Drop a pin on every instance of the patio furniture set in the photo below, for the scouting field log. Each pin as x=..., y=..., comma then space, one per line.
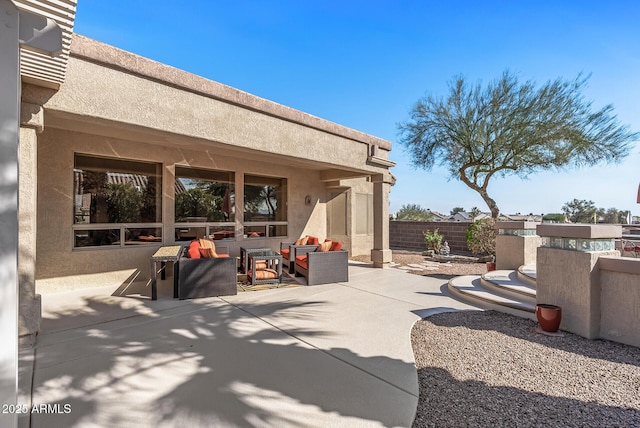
x=204, y=269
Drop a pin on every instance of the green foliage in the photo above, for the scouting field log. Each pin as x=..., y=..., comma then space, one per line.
x=475, y=212
x=580, y=211
x=433, y=240
x=510, y=127
x=260, y=197
x=583, y=211
x=457, y=210
x=554, y=218
x=414, y=212
x=481, y=236
x=123, y=203
x=198, y=202
x=614, y=216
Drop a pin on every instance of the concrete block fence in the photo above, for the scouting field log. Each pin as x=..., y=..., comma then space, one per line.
x=407, y=235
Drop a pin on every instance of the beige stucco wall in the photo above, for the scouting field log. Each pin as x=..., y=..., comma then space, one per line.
x=571, y=280
x=116, y=104
x=29, y=301
x=59, y=265
x=620, y=307
x=515, y=251
x=94, y=93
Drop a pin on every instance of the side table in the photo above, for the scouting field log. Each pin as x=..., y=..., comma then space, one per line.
x=164, y=255
x=245, y=253
x=273, y=261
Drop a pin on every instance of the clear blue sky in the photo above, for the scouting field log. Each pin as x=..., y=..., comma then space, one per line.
x=364, y=63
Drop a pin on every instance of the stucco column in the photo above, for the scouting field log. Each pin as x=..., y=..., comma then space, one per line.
x=567, y=274
x=381, y=254
x=516, y=244
x=29, y=314
x=168, y=204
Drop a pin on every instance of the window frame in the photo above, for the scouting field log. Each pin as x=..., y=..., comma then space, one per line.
x=121, y=227
x=266, y=224
x=207, y=225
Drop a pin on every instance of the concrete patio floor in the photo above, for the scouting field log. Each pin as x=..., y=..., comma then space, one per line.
x=327, y=355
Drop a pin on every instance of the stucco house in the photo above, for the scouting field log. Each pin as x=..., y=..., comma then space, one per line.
x=120, y=154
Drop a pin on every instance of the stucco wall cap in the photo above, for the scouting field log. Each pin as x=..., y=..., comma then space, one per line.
x=583, y=231
x=516, y=224
x=620, y=264
x=101, y=53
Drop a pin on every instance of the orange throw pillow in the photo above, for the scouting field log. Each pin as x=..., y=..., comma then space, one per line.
x=263, y=274
x=261, y=264
x=194, y=250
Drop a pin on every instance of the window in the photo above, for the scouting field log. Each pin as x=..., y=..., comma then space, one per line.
x=116, y=202
x=265, y=206
x=337, y=214
x=204, y=204
x=364, y=214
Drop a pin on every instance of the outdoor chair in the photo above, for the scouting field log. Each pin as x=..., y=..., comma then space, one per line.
x=322, y=266
x=206, y=276
x=288, y=250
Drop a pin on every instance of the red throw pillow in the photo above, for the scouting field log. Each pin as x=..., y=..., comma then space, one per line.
x=312, y=240
x=194, y=250
x=336, y=246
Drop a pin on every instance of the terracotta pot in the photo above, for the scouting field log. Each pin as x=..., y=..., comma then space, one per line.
x=491, y=266
x=549, y=317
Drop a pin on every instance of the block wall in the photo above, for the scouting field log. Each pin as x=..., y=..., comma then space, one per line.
x=407, y=235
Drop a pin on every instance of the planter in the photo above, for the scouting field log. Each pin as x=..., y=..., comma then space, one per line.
x=549, y=317
x=491, y=266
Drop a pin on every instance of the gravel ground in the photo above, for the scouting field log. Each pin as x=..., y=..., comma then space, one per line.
x=403, y=259
x=481, y=369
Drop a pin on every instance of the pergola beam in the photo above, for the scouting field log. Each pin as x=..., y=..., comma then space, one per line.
x=17, y=29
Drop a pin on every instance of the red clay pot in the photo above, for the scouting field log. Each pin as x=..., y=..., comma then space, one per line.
x=549, y=317
x=491, y=266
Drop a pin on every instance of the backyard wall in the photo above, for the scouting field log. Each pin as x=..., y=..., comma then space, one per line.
x=620, y=299
x=407, y=235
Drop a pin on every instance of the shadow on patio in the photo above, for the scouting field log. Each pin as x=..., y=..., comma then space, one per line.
x=206, y=363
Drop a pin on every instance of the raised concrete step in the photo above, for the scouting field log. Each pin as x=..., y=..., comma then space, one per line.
x=527, y=274
x=506, y=283
x=469, y=288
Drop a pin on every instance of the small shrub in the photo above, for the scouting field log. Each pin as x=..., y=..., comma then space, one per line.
x=481, y=237
x=433, y=240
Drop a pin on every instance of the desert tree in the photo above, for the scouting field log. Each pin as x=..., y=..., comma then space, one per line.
x=414, y=212
x=511, y=127
x=456, y=210
x=580, y=211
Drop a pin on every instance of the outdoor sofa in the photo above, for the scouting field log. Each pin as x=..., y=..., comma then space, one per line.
x=288, y=250
x=322, y=266
x=209, y=276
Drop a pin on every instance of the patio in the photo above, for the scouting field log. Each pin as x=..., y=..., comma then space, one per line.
x=335, y=354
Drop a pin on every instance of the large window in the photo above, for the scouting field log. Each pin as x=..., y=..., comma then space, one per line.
x=204, y=204
x=265, y=206
x=116, y=202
